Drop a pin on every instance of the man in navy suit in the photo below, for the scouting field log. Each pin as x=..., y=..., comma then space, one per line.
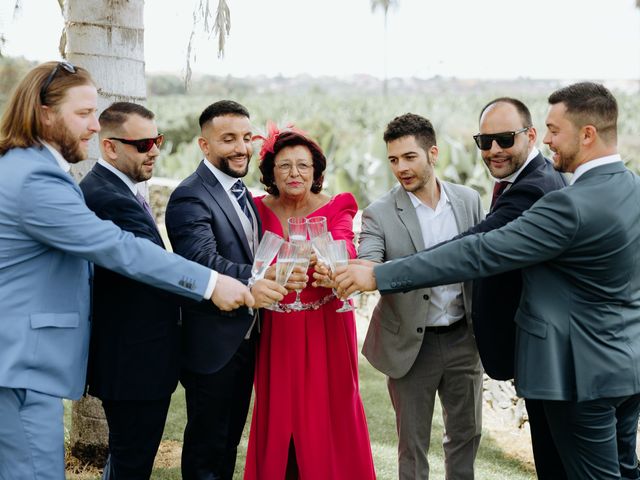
x=521, y=176
x=211, y=219
x=49, y=240
x=135, y=334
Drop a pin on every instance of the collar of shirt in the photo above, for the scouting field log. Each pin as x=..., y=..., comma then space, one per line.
x=225, y=180
x=64, y=165
x=441, y=203
x=512, y=178
x=127, y=181
x=598, y=162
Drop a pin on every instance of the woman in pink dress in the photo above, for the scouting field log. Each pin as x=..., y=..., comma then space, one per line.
x=308, y=420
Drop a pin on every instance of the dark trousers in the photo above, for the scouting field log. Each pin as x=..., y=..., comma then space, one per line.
x=217, y=406
x=545, y=454
x=135, y=431
x=597, y=438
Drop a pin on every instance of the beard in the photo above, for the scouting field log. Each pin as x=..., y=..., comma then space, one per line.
x=226, y=167
x=69, y=145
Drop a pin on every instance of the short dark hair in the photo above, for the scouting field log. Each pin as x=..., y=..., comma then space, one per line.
x=292, y=139
x=223, y=107
x=521, y=108
x=411, y=124
x=116, y=114
x=590, y=103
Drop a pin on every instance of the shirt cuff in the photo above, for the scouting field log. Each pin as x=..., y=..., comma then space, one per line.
x=211, y=286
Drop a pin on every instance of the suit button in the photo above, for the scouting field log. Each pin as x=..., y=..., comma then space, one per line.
x=393, y=284
x=419, y=329
x=425, y=296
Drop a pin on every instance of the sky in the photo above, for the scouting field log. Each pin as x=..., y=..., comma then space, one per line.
x=489, y=39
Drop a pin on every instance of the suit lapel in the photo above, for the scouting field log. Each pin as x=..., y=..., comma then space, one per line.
x=463, y=222
x=218, y=194
x=119, y=185
x=407, y=213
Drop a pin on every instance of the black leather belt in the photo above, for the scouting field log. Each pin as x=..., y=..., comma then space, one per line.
x=446, y=328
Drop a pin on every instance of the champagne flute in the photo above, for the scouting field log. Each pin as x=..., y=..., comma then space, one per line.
x=297, y=229
x=316, y=226
x=284, y=266
x=302, y=260
x=340, y=258
x=298, y=236
x=265, y=253
x=320, y=246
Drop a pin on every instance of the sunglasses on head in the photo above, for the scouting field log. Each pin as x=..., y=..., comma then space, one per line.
x=503, y=139
x=66, y=66
x=143, y=145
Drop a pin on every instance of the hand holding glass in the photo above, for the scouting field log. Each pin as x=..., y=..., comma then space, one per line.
x=339, y=256
x=284, y=266
x=266, y=252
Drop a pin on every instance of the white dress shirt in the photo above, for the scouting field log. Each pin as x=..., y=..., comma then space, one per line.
x=598, y=162
x=439, y=225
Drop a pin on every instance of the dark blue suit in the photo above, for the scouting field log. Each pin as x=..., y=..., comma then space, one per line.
x=135, y=339
x=496, y=300
x=217, y=360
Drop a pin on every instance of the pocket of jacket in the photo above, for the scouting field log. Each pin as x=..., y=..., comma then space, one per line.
x=532, y=325
x=55, y=320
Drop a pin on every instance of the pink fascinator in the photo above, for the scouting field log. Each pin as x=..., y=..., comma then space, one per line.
x=273, y=132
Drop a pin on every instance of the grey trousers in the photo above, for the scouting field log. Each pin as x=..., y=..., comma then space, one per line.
x=448, y=363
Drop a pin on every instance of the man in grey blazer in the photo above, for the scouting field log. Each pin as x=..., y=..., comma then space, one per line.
x=49, y=240
x=578, y=322
x=423, y=340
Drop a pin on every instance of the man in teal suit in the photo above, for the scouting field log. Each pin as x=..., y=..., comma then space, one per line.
x=578, y=321
x=48, y=242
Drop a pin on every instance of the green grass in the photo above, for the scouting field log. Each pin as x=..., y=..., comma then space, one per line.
x=491, y=464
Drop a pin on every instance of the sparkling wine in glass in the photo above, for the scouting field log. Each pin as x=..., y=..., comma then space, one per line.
x=265, y=253
x=284, y=266
x=339, y=256
x=302, y=260
x=316, y=226
x=297, y=229
x=320, y=246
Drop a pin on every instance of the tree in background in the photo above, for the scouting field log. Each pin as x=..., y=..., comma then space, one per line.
x=107, y=38
x=385, y=5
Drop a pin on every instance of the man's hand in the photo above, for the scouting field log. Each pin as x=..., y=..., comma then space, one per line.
x=358, y=276
x=322, y=276
x=267, y=292
x=297, y=280
x=230, y=294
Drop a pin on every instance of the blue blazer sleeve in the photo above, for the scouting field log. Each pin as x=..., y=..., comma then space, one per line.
x=54, y=213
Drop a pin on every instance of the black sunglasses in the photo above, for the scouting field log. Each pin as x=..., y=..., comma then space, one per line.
x=504, y=139
x=144, y=144
x=66, y=66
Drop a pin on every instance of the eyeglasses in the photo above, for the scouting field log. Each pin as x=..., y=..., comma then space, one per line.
x=504, y=139
x=143, y=145
x=302, y=168
x=66, y=66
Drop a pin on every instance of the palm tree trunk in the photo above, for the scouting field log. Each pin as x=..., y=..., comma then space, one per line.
x=107, y=38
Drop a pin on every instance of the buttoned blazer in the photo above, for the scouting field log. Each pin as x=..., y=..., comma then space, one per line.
x=390, y=230
x=578, y=321
x=496, y=298
x=203, y=226
x=135, y=333
x=48, y=237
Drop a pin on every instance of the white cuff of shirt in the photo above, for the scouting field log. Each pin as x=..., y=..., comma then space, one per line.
x=211, y=286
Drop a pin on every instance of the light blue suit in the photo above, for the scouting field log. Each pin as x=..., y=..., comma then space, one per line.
x=48, y=241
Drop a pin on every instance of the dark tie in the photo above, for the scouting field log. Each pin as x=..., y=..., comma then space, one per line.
x=240, y=192
x=143, y=203
x=498, y=188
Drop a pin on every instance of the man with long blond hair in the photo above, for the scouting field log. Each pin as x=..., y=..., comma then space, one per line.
x=49, y=240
